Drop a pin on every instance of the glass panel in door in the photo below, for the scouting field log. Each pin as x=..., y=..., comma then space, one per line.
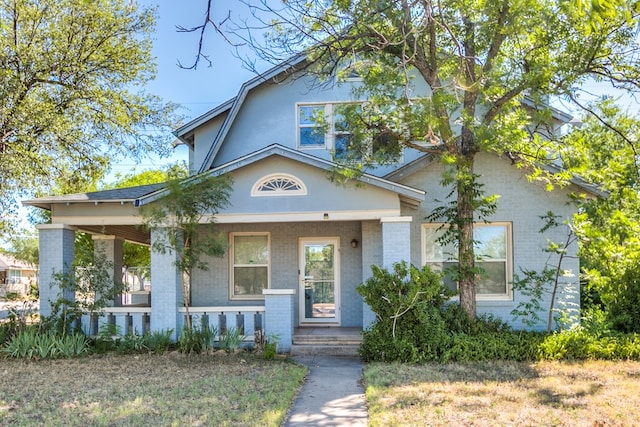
x=318, y=270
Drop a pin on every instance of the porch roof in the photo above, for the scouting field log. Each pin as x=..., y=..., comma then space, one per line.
x=118, y=195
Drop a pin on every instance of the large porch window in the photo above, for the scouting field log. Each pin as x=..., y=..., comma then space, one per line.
x=494, y=256
x=250, y=265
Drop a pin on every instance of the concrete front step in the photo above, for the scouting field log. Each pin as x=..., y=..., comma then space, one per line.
x=324, y=350
x=326, y=341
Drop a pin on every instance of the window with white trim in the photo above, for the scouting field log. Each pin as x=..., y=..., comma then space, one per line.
x=493, y=251
x=15, y=277
x=324, y=126
x=311, y=131
x=250, y=270
x=278, y=185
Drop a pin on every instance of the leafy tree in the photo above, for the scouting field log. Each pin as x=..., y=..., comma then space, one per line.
x=150, y=176
x=184, y=219
x=72, y=95
x=133, y=254
x=24, y=247
x=609, y=228
x=489, y=69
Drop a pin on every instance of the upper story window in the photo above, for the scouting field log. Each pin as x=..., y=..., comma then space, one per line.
x=278, y=185
x=325, y=126
x=493, y=250
x=311, y=130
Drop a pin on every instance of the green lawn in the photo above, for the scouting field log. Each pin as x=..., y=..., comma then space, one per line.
x=132, y=390
x=594, y=394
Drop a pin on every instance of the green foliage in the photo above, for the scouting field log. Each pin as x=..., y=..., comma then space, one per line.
x=624, y=312
x=159, y=341
x=183, y=220
x=505, y=345
x=407, y=302
x=196, y=340
x=271, y=347
x=578, y=344
x=489, y=69
x=231, y=340
x=72, y=97
x=609, y=227
x=533, y=285
x=24, y=246
x=547, y=283
x=110, y=338
x=33, y=344
x=83, y=290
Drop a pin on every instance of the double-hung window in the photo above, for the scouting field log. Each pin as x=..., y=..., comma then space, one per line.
x=323, y=126
x=311, y=130
x=493, y=252
x=250, y=265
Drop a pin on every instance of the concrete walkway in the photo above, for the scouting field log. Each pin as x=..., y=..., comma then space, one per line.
x=332, y=395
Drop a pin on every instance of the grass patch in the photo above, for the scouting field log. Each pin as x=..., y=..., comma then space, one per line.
x=592, y=393
x=168, y=390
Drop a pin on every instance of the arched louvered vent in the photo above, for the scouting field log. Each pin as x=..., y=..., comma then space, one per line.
x=278, y=185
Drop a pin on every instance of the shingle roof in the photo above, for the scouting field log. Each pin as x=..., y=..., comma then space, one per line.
x=128, y=194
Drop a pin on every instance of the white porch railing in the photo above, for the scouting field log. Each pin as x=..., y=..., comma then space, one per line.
x=128, y=320
x=247, y=320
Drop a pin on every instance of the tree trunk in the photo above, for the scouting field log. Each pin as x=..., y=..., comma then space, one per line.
x=466, y=253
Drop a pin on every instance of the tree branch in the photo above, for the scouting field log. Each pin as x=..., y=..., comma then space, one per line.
x=208, y=21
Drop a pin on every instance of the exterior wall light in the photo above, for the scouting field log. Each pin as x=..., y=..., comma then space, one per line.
x=354, y=243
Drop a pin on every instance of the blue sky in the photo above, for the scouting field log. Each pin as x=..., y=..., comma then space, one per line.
x=199, y=90
x=204, y=88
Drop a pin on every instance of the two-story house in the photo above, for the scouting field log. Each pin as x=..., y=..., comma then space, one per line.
x=298, y=244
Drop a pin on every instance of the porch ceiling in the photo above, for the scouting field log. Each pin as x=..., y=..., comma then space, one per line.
x=131, y=233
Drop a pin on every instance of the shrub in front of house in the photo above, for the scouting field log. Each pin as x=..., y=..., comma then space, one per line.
x=578, y=343
x=417, y=323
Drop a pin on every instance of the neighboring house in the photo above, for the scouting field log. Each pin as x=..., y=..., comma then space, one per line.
x=299, y=244
x=15, y=275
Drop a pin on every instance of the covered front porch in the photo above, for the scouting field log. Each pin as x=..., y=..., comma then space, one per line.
x=298, y=246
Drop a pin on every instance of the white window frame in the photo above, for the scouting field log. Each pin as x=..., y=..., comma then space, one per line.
x=232, y=265
x=327, y=134
x=330, y=133
x=14, y=277
x=453, y=258
x=257, y=191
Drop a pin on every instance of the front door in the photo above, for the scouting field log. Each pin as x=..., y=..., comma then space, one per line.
x=319, y=281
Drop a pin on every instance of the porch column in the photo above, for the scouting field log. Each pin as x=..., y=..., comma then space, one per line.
x=166, y=289
x=110, y=247
x=279, y=316
x=56, y=255
x=396, y=240
x=371, y=255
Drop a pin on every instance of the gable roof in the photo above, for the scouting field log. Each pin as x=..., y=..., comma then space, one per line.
x=233, y=106
x=410, y=194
